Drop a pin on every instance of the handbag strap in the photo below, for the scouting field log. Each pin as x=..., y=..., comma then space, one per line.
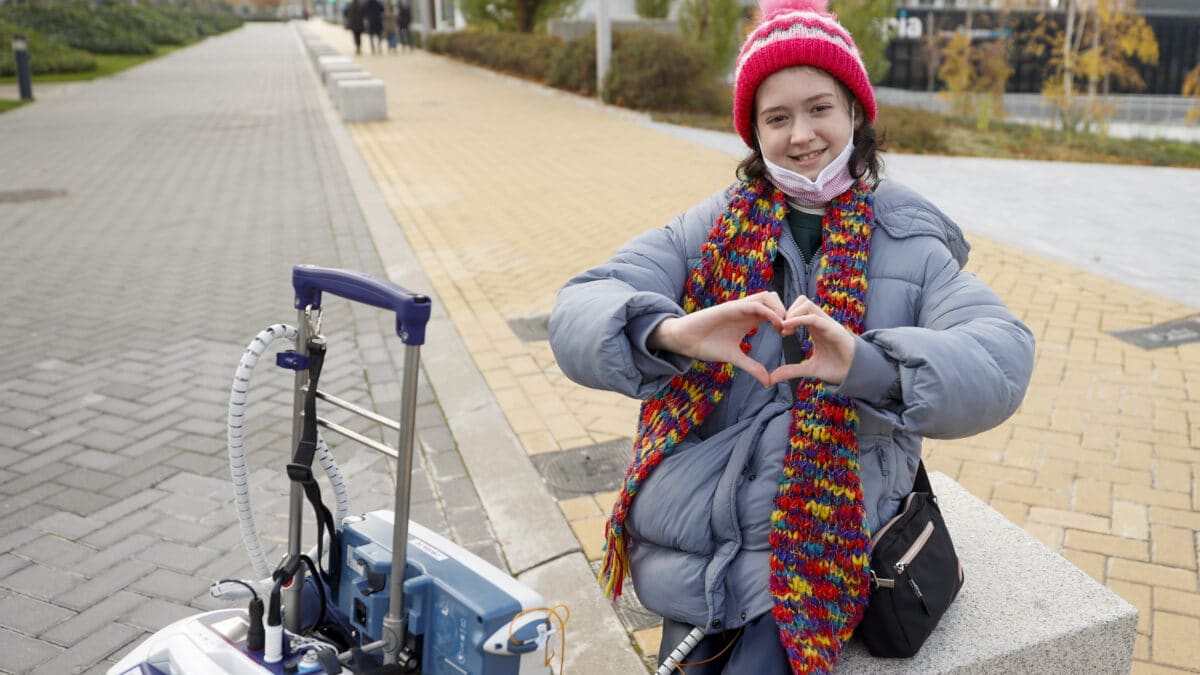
x=921, y=482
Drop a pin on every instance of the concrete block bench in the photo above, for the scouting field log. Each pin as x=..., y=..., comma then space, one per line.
x=361, y=100
x=335, y=79
x=335, y=64
x=1022, y=609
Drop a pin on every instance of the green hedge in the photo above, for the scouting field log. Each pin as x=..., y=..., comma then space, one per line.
x=654, y=71
x=525, y=54
x=77, y=26
x=159, y=27
x=46, y=55
x=649, y=70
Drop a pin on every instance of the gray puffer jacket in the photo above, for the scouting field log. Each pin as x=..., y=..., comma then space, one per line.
x=941, y=358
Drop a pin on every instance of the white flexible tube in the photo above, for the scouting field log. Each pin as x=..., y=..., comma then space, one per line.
x=237, y=450
x=681, y=651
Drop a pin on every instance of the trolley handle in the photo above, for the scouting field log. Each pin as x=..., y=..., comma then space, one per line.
x=412, y=309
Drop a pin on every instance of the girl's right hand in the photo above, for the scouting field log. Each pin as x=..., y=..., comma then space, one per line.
x=715, y=333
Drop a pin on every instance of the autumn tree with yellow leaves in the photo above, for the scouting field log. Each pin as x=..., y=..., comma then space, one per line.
x=1098, y=46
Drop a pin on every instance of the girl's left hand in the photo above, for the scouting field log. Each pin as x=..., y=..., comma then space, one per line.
x=833, y=345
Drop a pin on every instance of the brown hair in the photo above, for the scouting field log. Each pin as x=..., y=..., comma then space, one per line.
x=865, y=159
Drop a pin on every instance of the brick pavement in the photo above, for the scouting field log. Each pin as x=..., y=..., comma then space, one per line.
x=506, y=189
x=150, y=221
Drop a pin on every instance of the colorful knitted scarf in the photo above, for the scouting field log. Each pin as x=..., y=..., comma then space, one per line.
x=819, y=577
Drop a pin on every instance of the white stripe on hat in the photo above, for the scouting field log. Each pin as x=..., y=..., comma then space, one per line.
x=791, y=32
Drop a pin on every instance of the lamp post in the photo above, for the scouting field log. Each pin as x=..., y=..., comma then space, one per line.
x=21, y=61
x=603, y=45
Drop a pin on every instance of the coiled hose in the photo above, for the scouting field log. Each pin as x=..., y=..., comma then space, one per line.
x=237, y=450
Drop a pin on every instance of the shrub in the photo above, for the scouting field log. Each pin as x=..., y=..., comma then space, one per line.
x=75, y=25
x=525, y=54
x=159, y=27
x=654, y=71
x=574, y=67
x=46, y=55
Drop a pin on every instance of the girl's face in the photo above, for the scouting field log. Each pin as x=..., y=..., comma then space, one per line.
x=803, y=119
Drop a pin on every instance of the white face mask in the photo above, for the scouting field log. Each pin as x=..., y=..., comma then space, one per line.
x=833, y=180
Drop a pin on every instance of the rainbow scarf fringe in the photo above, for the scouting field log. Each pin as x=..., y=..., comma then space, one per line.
x=819, y=577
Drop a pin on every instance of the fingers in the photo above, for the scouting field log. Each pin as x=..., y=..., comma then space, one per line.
x=753, y=369
x=788, y=371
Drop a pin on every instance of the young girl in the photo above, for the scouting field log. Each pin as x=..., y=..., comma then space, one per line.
x=793, y=338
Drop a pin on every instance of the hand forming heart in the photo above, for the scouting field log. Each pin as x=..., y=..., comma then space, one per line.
x=715, y=334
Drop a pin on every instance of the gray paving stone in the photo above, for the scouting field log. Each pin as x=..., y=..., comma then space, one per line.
x=79, y=502
x=458, y=493
x=104, y=440
x=99, y=644
x=134, y=502
x=126, y=391
x=154, y=614
x=155, y=441
x=120, y=529
x=447, y=465
x=138, y=482
x=10, y=563
x=183, y=531
x=93, y=618
x=86, y=479
x=53, y=551
x=11, y=437
x=16, y=538
x=162, y=583
x=95, y=459
x=117, y=577
x=115, y=554
x=470, y=526
x=68, y=525
x=178, y=557
x=37, y=459
x=18, y=653
x=21, y=418
x=186, y=506
x=28, y=615
x=40, y=581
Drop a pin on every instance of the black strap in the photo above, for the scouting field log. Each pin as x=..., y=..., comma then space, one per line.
x=793, y=349
x=300, y=469
x=921, y=483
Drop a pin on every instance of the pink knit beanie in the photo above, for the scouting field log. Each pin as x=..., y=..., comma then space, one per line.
x=796, y=33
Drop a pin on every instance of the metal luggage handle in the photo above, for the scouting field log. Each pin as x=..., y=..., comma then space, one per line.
x=412, y=309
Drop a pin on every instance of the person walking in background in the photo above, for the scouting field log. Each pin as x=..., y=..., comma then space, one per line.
x=390, y=17
x=374, y=14
x=793, y=338
x=403, y=21
x=354, y=22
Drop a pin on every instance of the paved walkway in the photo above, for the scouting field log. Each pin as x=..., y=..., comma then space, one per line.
x=150, y=222
x=506, y=189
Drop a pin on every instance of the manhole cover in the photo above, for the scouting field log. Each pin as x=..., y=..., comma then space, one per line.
x=629, y=608
x=33, y=195
x=1169, y=334
x=531, y=328
x=593, y=468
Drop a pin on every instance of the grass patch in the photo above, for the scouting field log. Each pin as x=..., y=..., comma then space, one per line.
x=7, y=104
x=106, y=64
x=915, y=131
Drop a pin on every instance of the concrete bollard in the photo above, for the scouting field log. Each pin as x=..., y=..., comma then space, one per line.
x=362, y=100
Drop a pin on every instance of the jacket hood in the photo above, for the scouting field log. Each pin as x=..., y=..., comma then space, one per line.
x=904, y=213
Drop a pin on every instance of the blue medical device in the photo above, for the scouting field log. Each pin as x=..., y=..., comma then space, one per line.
x=407, y=599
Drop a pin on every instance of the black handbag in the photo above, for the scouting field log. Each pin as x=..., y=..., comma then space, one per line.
x=915, y=575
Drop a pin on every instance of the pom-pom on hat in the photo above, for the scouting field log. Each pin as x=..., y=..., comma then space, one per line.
x=796, y=33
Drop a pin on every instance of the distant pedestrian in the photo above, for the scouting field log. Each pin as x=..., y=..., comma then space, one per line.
x=403, y=20
x=793, y=338
x=374, y=13
x=354, y=22
x=390, y=25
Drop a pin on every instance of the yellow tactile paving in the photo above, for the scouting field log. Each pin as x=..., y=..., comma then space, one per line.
x=506, y=190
